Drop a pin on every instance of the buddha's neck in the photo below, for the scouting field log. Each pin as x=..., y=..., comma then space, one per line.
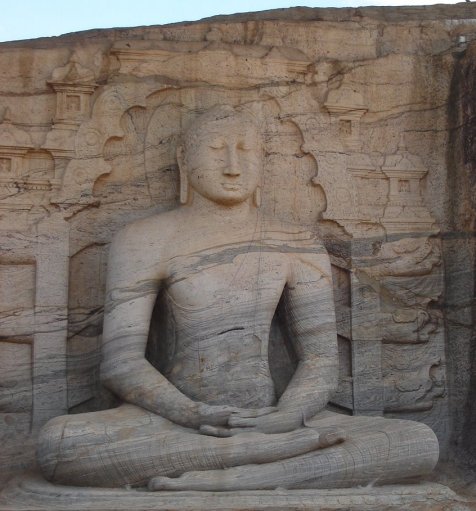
x=212, y=211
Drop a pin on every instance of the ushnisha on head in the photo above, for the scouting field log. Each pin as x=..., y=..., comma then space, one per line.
x=221, y=157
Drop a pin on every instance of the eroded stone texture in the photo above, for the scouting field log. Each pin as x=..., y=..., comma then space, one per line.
x=367, y=119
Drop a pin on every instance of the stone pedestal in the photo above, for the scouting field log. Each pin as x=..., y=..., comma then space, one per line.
x=32, y=493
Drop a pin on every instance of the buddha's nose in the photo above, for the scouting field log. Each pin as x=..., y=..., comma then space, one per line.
x=233, y=165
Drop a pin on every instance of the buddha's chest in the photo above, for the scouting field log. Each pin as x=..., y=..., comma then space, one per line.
x=228, y=278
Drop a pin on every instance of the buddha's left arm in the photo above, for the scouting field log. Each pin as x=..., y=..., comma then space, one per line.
x=309, y=316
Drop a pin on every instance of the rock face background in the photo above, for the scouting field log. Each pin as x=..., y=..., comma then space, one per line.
x=369, y=121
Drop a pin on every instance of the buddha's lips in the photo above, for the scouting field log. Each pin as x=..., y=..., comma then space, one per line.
x=231, y=186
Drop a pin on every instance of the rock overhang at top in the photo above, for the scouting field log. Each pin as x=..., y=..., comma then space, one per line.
x=383, y=14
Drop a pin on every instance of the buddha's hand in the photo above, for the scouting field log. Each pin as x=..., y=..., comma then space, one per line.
x=215, y=419
x=276, y=422
x=215, y=415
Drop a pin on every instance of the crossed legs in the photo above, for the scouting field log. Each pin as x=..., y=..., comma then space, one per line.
x=131, y=446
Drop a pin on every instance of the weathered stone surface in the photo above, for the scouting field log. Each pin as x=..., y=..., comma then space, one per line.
x=367, y=118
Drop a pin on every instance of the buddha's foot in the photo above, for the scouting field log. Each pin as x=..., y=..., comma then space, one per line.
x=330, y=436
x=265, y=448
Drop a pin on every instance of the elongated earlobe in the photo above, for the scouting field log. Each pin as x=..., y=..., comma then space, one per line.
x=257, y=197
x=184, y=189
x=184, y=194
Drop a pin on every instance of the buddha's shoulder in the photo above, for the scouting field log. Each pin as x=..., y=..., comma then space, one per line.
x=149, y=231
x=291, y=235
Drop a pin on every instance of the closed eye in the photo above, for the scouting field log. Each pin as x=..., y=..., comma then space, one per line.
x=217, y=144
x=244, y=146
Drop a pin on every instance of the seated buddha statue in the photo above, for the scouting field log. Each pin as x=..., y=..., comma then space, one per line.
x=208, y=416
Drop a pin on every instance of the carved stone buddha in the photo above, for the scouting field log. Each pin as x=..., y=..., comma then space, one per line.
x=210, y=419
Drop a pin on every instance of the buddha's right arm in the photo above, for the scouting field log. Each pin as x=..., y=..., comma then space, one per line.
x=132, y=285
x=126, y=372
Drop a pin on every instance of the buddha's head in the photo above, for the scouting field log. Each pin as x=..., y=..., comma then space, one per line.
x=221, y=157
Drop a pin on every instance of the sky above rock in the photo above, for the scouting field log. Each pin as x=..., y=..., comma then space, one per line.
x=26, y=19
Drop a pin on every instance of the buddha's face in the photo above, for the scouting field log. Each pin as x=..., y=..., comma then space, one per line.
x=223, y=159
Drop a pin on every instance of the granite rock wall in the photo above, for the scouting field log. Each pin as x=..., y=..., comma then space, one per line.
x=368, y=121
